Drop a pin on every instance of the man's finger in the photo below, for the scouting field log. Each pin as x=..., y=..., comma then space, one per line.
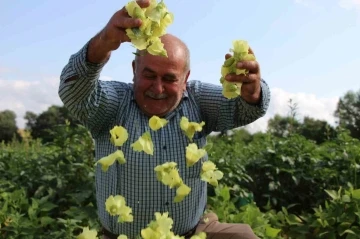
x=126, y=22
x=248, y=78
x=143, y=3
x=252, y=66
x=227, y=56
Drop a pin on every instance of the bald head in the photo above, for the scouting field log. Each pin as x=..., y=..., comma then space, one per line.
x=173, y=45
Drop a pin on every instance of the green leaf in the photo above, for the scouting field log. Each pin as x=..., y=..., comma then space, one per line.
x=47, y=206
x=48, y=177
x=343, y=227
x=345, y=198
x=271, y=232
x=32, y=213
x=356, y=194
x=293, y=219
x=225, y=193
x=348, y=231
x=46, y=221
x=208, y=146
x=357, y=214
x=332, y=193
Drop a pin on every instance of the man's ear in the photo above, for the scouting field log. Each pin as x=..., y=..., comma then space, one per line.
x=133, y=66
x=186, y=79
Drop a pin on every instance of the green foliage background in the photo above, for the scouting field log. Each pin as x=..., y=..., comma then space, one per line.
x=284, y=187
x=297, y=180
x=47, y=190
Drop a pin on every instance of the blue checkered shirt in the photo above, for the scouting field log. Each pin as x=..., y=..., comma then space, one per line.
x=100, y=105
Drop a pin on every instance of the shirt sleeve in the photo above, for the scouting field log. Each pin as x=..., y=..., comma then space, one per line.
x=90, y=100
x=222, y=114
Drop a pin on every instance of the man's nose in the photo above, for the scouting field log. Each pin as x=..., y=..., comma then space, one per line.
x=157, y=86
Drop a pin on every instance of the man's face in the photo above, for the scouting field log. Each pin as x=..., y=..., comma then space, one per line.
x=159, y=82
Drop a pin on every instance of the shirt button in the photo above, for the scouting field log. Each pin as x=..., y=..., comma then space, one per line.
x=164, y=147
x=167, y=203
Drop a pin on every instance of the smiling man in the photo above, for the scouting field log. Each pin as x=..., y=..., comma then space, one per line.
x=159, y=82
x=160, y=87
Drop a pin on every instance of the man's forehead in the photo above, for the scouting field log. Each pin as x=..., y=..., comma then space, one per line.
x=154, y=62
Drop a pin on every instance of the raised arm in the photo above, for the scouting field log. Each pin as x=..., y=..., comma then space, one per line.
x=224, y=114
x=92, y=101
x=111, y=37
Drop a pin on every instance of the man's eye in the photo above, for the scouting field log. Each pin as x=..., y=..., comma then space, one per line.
x=169, y=79
x=150, y=76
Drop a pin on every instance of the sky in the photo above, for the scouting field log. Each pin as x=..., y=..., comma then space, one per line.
x=308, y=50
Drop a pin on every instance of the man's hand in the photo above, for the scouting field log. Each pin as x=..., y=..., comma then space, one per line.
x=113, y=34
x=250, y=89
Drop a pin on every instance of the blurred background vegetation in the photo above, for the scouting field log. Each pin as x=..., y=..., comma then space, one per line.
x=300, y=179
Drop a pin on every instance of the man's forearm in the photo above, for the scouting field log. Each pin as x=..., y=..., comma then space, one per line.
x=97, y=51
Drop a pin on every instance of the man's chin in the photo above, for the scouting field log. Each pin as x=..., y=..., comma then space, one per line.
x=157, y=112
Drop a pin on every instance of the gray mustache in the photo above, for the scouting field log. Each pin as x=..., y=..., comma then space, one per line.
x=155, y=96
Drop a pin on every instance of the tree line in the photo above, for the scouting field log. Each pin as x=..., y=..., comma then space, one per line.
x=40, y=126
x=43, y=126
